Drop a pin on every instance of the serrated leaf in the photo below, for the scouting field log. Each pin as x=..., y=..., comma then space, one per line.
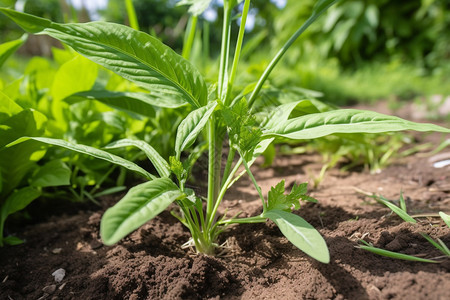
x=140, y=204
x=344, y=121
x=191, y=126
x=301, y=234
x=83, y=149
x=132, y=54
x=279, y=201
x=8, y=48
x=243, y=132
x=53, y=173
x=157, y=160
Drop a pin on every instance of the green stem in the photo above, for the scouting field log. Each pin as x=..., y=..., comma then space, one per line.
x=255, y=219
x=254, y=183
x=226, y=171
x=225, y=48
x=132, y=14
x=189, y=40
x=237, y=52
x=278, y=56
x=214, y=163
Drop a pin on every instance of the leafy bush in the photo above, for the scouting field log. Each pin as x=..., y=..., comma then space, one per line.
x=219, y=111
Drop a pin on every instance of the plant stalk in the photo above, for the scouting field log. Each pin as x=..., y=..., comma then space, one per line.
x=132, y=14
x=278, y=56
x=225, y=49
x=189, y=39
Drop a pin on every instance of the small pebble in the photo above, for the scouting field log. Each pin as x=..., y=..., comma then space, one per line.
x=57, y=250
x=50, y=289
x=59, y=275
x=62, y=286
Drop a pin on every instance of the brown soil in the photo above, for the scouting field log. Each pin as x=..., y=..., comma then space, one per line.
x=260, y=263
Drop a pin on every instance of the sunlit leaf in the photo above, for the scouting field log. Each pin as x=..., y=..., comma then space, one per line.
x=160, y=163
x=344, y=121
x=8, y=48
x=191, y=126
x=140, y=204
x=132, y=54
x=300, y=233
x=83, y=149
x=53, y=173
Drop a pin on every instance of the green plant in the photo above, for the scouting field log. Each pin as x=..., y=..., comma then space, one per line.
x=401, y=211
x=217, y=110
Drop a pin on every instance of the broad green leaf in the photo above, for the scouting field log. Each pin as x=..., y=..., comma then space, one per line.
x=344, y=121
x=132, y=54
x=400, y=212
x=8, y=107
x=393, y=254
x=26, y=122
x=445, y=217
x=19, y=199
x=76, y=75
x=53, y=173
x=160, y=163
x=300, y=233
x=83, y=149
x=140, y=204
x=197, y=7
x=191, y=126
x=8, y=48
x=140, y=103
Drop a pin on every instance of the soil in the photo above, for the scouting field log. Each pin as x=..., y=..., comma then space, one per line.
x=259, y=262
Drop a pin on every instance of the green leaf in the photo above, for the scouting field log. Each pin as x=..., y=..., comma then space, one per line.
x=19, y=199
x=8, y=107
x=132, y=54
x=278, y=200
x=440, y=246
x=191, y=126
x=322, y=5
x=140, y=204
x=393, y=254
x=344, y=121
x=54, y=173
x=445, y=217
x=139, y=103
x=12, y=240
x=197, y=7
x=243, y=131
x=400, y=212
x=157, y=160
x=301, y=234
x=8, y=48
x=83, y=149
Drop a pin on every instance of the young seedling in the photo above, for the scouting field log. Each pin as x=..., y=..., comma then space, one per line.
x=218, y=110
x=402, y=212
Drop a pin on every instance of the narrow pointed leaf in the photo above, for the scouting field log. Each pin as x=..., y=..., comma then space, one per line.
x=191, y=126
x=83, y=149
x=140, y=204
x=344, y=121
x=132, y=54
x=445, y=217
x=160, y=163
x=301, y=234
x=392, y=254
x=400, y=212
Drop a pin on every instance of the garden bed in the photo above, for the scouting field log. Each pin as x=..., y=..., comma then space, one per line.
x=258, y=262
